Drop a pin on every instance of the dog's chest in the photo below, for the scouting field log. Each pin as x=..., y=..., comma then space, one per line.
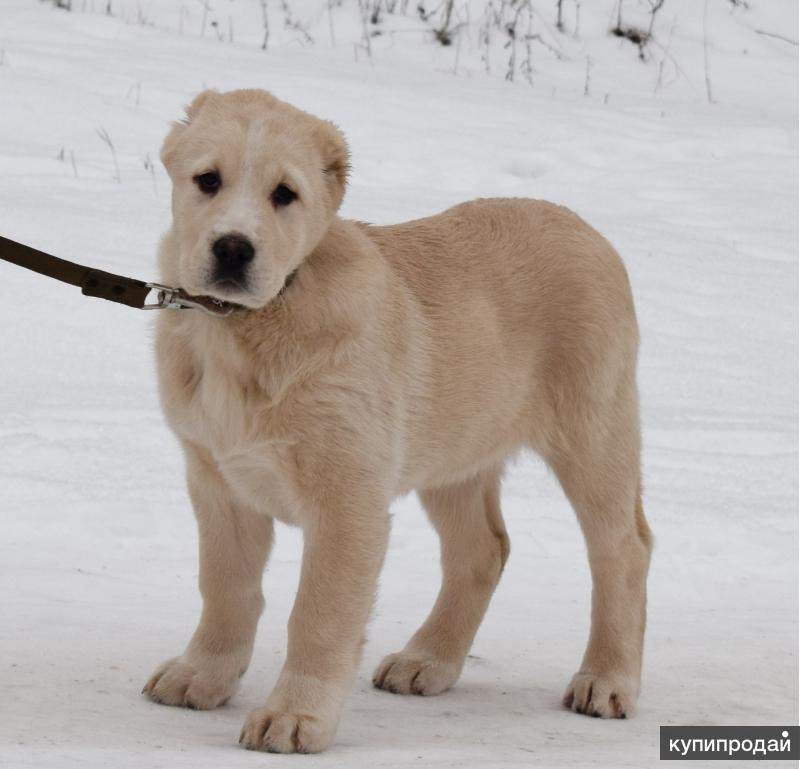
x=228, y=414
x=222, y=409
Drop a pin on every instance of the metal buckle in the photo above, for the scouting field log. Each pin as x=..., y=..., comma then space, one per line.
x=177, y=299
x=165, y=298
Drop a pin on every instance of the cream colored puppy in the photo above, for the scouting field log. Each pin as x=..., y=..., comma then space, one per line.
x=369, y=362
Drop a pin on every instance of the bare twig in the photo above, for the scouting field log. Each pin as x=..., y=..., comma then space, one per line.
x=106, y=139
x=555, y=51
x=149, y=166
x=62, y=156
x=137, y=88
x=639, y=37
x=484, y=35
x=527, y=63
x=363, y=8
x=444, y=34
x=588, y=71
x=512, y=30
x=290, y=23
x=705, y=52
x=678, y=69
x=265, y=23
x=775, y=35
x=655, y=7
x=206, y=9
x=660, y=79
x=458, y=41
x=555, y=46
x=330, y=23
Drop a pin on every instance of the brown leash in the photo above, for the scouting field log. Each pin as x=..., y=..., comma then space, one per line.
x=106, y=285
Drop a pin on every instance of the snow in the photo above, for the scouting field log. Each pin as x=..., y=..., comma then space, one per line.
x=97, y=554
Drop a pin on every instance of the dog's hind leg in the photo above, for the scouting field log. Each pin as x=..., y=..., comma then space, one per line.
x=474, y=548
x=234, y=544
x=597, y=463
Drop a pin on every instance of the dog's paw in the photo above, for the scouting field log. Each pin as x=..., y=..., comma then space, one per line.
x=278, y=732
x=192, y=685
x=409, y=673
x=609, y=696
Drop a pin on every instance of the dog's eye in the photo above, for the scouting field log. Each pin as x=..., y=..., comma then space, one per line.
x=208, y=182
x=282, y=196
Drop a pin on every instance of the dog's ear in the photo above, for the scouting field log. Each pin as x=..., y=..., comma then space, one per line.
x=336, y=160
x=197, y=104
x=173, y=137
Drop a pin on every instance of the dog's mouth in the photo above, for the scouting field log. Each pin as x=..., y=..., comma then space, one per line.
x=230, y=289
x=228, y=285
x=240, y=291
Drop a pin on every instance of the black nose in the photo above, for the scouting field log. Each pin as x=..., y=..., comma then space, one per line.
x=233, y=253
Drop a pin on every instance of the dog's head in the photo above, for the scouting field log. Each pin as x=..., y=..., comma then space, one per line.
x=256, y=183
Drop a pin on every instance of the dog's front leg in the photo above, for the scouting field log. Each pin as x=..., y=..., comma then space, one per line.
x=342, y=555
x=234, y=545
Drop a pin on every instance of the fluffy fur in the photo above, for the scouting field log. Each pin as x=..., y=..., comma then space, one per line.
x=418, y=356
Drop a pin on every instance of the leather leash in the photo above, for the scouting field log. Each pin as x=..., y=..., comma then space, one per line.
x=106, y=285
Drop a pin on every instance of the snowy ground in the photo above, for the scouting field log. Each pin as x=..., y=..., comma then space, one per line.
x=97, y=553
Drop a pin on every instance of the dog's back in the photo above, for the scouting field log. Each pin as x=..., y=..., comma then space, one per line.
x=523, y=305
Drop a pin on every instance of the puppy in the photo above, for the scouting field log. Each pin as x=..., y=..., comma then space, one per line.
x=367, y=362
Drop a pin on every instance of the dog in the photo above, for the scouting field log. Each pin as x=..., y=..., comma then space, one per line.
x=367, y=362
